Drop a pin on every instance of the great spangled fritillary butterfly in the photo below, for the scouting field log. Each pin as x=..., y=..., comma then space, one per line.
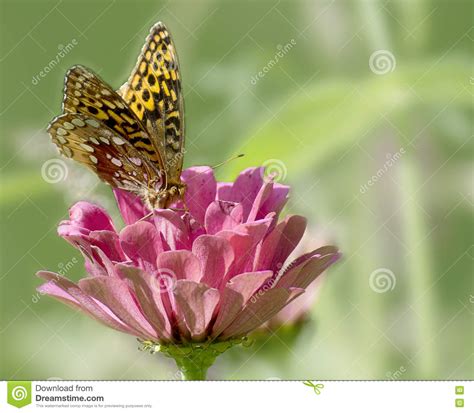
x=132, y=138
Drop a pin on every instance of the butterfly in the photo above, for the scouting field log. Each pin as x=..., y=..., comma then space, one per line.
x=132, y=138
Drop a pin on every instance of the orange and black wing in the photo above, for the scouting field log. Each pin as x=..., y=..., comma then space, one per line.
x=154, y=94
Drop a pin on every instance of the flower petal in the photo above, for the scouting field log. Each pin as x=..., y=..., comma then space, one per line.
x=235, y=295
x=260, y=308
x=306, y=272
x=262, y=195
x=200, y=190
x=222, y=215
x=90, y=216
x=100, y=264
x=130, y=205
x=87, y=304
x=279, y=244
x=216, y=256
x=244, y=190
x=299, y=309
x=180, y=265
x=196, y=302
x=149, y=298
x=108, y=242
x=115, y=294
x=224, y=191
x=244, y=240
x=172, y=228
x=275, y=201
x=142, y=244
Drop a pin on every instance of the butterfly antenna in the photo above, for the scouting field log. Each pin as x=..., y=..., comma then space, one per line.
x=228, y=160
x=144, y=218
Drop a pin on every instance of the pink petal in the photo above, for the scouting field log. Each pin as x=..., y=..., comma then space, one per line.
x=173, y=229
x=87, y=304
x=244, y=241
x=222, y=215
x=76, y=238
x=235, y=295
x=115, y=294
x=275, y=202
x=106, y=265
x=193, y=228
x=216, y=256
x=130, y=205
x=306, y=272
x=149, y=298
x=279, y=244
x=89, y=216
x=299, y=309
x=260, y=308
x=53, y=290
x=142, y=244
x=318, y=253
x=109, y=243
x=196, y=302
x=200, y=190
x=66, y=229
x=262, y=195
x=224, y=191
x=245, y=189
x=180, y=265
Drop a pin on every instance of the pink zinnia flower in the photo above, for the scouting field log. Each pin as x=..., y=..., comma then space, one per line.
x=209, y=274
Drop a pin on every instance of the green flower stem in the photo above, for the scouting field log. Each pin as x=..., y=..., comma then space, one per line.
x=192, y=359
x=194, y=366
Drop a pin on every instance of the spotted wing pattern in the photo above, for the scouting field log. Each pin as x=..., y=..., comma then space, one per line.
x=86, y=93
x=97, y=146
x=154, y=94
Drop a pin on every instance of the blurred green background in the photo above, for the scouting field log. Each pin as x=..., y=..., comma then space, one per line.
x=368, y=116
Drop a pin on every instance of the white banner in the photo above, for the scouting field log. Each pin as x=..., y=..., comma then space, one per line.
x=238, y=396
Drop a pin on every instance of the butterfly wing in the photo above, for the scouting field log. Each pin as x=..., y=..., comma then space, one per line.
x=100, y=148
x=153, y=92
x=86, y=93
